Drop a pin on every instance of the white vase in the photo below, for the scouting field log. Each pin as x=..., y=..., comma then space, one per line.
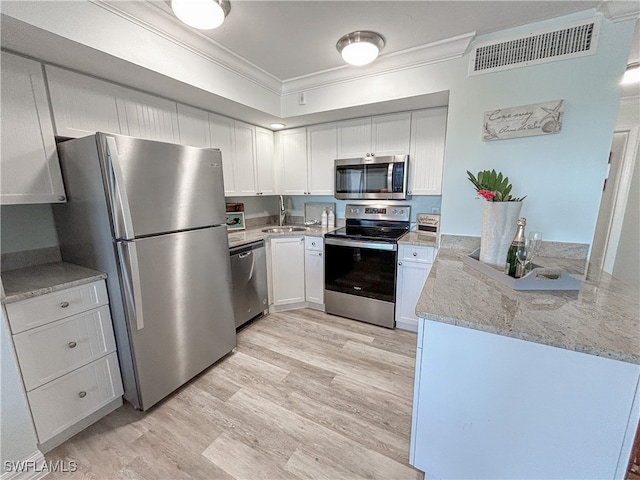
x=499, y=224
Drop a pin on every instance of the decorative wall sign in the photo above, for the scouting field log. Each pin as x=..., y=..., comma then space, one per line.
x=525, y=121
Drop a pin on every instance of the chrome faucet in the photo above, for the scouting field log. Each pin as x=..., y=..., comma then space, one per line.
x=283, y=211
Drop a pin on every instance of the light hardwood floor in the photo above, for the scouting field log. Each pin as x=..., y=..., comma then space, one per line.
x=306, y=395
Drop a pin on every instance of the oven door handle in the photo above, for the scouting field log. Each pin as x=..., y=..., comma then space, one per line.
x=361, y=244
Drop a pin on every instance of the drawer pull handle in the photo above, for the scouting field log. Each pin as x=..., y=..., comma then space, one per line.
x=415, y=254
x=82, y=394
x=64, y=304
x=72, y=344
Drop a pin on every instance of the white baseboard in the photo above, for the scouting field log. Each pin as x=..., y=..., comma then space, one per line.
x=30, y=468
x=407, y=324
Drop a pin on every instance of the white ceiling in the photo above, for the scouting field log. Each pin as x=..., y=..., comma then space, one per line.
x=295, y=38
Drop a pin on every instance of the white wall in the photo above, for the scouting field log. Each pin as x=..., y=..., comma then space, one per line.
x=17, y=434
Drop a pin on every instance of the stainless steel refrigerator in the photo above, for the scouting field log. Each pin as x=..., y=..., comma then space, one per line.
x=152, y=216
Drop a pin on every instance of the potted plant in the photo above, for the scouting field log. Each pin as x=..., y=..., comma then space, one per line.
x=500, y=214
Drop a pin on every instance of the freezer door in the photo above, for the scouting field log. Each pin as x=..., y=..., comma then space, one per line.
x=157, y=187
x=177, y=290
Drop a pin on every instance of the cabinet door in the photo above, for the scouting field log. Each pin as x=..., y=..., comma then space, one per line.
x=293, y=146
x=81, y=105
x=322, y=143
x=222, y=134
x=287, y=270
x=245, y=158
x=314, y=276
x=411, y=278
x=354, y=138
x=265, y=162
x=391, y=134
x=428, y=128
x=193, y=125
x=147, y=116
x=30, y=168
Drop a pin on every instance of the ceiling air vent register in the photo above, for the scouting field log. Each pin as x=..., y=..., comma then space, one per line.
x=575, y=40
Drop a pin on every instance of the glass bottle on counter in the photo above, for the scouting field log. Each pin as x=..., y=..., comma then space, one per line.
x=514, y=268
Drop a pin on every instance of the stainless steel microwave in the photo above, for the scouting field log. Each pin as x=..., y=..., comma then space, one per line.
x=372, y=178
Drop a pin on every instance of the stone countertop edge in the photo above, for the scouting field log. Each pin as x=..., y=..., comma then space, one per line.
x=24, y=283
x=601, y=319
x=255, y=234
x=417, y=239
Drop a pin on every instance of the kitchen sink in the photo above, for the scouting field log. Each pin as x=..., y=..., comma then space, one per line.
x=284, y=229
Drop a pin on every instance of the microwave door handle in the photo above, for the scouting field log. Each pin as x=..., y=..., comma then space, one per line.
x=390, y=178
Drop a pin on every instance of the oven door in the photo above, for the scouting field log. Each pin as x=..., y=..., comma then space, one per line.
x=364, y=269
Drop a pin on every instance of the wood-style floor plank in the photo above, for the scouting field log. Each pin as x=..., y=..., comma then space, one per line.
x=305, y=395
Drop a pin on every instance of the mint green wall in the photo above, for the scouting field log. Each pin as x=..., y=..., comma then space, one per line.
x=26, y=227
x=561, y=174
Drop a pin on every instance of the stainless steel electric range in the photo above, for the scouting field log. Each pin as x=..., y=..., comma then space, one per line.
x=360, y=263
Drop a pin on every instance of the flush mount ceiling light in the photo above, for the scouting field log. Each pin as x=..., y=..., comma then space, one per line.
x=201, y=14
x=277, y=126
x=360, y=48
x=632, y=74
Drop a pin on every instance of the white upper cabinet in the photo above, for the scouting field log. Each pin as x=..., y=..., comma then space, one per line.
x=29, y=162
x=354, y=138
x=428, y=129
x=265, y=162
x=82, y=105
x=293, y=154
x=391, y=134
x=222, y=137
x=193, y=125
x=245, y=158
x=381, y=135
x=322, y=151
x=147, y=116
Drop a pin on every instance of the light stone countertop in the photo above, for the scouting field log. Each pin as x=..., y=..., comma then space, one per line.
x=417, y=239
x=602, y=319
x=28, y=282
x=254, y=234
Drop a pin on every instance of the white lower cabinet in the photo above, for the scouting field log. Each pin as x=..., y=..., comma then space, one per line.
x=414, y=265
x=66, y=350
x=314, y=270
x=287, y=270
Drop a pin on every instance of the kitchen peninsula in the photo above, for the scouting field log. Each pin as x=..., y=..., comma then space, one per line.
x=524, y=384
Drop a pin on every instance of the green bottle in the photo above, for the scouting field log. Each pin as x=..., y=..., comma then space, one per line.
x=518, y=240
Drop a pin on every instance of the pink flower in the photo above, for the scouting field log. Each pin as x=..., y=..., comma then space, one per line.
x=488, y=194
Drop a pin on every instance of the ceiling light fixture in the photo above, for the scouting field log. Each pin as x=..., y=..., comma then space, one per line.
x=277, y=126
x=201, y=14
x=360, y=48
x=631, y=74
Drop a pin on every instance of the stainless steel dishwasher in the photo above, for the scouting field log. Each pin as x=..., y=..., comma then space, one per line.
x=249, y=276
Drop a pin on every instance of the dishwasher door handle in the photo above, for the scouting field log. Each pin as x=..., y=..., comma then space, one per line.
x=244, y=255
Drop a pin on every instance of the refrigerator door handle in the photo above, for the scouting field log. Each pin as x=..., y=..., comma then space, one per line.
x=118, y=193
x=131, y=277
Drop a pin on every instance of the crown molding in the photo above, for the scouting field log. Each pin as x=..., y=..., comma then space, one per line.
x=435, y=52
x=164, y=22
x=620, y=11
x=196, y=42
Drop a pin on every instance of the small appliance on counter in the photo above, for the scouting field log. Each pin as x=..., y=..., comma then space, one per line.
x=235, y=216
x=313, y=212
x=428, y=225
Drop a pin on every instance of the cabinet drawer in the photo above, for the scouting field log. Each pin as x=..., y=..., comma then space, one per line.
x=416, y=253
x=59, y=404
x=314, y=243
x=37, y=311
x=51, y=350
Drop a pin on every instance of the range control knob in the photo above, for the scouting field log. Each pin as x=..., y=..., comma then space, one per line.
x=401, y=212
